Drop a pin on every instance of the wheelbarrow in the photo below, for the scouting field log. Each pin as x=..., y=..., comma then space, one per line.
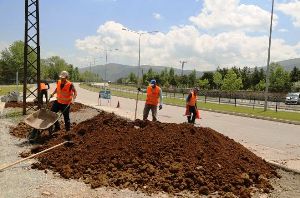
x=41, y=120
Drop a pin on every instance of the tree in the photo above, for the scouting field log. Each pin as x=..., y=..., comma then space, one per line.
x=231, y=82
x=192, y=78
x=210, y=77
x=295, y=75
x=12, y=61
x=260, y=86
x=172, y=78
x=279, y=79
x=246, y=78
x=223, y=71
x=164, y=77
x=204, y=84
x=184, y=80
x=296, y=86
x=217, y=79
x=132, y=78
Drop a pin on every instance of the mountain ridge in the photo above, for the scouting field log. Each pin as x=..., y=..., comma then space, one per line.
x=114, y=71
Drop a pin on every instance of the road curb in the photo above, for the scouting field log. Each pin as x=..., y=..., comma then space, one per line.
x=253, y=116
x=283, y=167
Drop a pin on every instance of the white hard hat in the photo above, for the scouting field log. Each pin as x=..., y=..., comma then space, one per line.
x=64, y=74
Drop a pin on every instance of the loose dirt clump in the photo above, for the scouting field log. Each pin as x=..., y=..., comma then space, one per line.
x=153, y=157
x=74, y=107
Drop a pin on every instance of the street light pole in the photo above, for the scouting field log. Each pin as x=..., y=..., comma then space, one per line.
x=268, y=62
x=105, y=65
x=182, y=65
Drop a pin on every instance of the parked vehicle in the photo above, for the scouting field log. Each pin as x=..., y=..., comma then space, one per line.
x=292, y=98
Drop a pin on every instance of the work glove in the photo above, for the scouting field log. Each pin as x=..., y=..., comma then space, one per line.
x=139, y=89
x=160, y=107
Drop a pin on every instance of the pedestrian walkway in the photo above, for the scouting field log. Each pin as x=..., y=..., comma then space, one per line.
x=273, y=141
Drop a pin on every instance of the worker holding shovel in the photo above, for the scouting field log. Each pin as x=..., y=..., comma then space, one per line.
x=154, y=96
x=191, y=106
x=66, y=94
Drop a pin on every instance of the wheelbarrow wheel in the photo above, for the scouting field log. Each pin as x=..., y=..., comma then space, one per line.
x=33, y=135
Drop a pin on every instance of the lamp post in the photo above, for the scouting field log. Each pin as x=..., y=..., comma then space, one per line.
x=106, y=50
x=268, y=62
x=139, y=63
x=182, y=65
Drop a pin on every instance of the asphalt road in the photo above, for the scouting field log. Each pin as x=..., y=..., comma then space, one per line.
x=273, y=141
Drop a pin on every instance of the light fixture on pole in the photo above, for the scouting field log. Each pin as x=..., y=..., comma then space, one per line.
x=268, y=62
x=139, y=63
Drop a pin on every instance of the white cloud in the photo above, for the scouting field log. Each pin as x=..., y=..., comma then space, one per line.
x=202, y=51
x=215, y=15
x=156, y=16
x=3, y=45
x=282, y=30
x=291, y=9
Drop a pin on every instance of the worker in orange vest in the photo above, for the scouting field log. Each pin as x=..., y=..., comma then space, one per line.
x=44, y=90
x=154, y=96
x=66, y=94
x=191, y=104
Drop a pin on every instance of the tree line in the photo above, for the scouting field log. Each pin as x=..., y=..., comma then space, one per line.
x=12, y=61
x=225, y=79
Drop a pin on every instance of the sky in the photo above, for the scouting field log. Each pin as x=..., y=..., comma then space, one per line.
x=204, y=33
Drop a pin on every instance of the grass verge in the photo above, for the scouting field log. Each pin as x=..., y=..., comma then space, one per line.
x=4, y=89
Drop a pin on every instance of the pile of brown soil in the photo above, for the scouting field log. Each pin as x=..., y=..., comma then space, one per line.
x=74, y=107
x=21, y=130
x=153, y=156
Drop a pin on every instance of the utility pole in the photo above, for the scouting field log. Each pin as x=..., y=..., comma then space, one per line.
x=268, y=62
x=182, y=65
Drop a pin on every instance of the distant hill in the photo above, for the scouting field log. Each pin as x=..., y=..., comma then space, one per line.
x=115, y=71
x=290, y=64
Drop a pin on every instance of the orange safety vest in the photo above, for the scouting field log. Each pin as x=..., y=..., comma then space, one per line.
x=42, y=86
x=152, y=95
x=193, y=99
x=64, y=95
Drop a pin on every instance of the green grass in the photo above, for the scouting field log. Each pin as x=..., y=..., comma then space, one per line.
x=4, y=89
x=292, y=116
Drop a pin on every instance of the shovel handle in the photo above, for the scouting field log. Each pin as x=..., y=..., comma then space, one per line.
x=31, y=156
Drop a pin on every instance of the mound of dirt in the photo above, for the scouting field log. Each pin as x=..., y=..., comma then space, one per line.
x=21, y=130
x=153, y=156
x=74, y=107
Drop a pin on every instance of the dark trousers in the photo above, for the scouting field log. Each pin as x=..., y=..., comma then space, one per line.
x=44, y=92
x=192, y=117
x=153, y=109
x=65, y=109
